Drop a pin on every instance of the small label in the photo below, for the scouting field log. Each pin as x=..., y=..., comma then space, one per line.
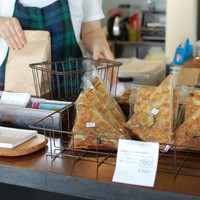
x=167, y=148
x=155, y=111
x=90, y=124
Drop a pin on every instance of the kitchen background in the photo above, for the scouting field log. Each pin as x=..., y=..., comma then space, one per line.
x=135, y=5
x=182, y=19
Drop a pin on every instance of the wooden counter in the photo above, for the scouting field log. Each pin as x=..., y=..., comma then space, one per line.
x=60, y=176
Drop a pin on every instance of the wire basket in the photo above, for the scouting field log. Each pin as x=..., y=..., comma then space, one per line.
x=172, y=160
x=62, y=80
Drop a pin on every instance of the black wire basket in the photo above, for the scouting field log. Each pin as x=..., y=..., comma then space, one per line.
x=62, y=80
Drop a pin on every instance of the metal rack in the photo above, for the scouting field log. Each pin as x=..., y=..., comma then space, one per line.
x=62, y=80
x=174, y=160
x=180, y=162
x=57, y=79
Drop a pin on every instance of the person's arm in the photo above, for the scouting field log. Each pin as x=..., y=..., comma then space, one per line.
x=94, y=40
x=11, y=31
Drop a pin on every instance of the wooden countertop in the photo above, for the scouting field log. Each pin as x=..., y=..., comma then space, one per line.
x=37, y=170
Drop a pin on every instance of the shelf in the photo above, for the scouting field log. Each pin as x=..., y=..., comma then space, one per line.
x=140, y=43
x=127, y=49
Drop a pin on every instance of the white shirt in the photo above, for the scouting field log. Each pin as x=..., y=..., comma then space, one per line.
x=81, y=11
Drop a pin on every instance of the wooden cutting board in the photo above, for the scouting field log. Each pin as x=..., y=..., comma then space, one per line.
x=30, y=146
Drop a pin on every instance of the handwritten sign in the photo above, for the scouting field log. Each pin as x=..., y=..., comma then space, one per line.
x=136, y=162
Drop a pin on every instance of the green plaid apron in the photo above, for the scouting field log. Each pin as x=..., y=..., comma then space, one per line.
x=2, y=74
x=56, y=19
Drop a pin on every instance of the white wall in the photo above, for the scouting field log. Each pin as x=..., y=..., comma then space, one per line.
x=181, y=23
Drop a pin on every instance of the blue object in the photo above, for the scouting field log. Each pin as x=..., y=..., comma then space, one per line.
x=48, y=106
x=183, y=53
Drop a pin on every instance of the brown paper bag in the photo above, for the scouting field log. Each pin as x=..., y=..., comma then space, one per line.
x=19, y=77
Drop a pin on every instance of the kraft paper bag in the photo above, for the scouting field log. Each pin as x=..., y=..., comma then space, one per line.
x=19, y=76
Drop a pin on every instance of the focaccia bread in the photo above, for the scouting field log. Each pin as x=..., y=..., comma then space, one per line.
x=92, y=96
x=124, y=99
x=143, y=95
x=189, y=132
x=155, y=120
x=91, y=129
x=193, y=102
x=108, y=100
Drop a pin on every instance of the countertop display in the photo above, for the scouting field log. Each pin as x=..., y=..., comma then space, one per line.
x=81, y=165
x=79, y=179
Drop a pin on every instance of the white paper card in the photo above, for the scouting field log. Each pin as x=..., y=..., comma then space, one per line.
x=90, y=124
x=155, y=111
x=136, y=162
x=15, y=99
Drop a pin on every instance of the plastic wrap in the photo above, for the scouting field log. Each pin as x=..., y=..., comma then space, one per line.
x=105, y=95
x=133, y=96
x=188, y=133
x=184, y=92
x=153, y=119
x=92, y=95
x=91, y=129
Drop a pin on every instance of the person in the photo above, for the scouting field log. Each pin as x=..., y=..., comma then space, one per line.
x=74, y=26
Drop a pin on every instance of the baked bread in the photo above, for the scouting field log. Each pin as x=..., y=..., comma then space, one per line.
x=188, y=134
x=124, y=99
x=193, y=102
x=108, y=100
x=91, y=130
x=153, y=119
x=93, y=97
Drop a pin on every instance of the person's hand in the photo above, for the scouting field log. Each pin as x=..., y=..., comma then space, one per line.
x=102, y=53
x=11, y=31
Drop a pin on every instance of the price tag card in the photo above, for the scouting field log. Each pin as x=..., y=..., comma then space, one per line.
x=136, y=162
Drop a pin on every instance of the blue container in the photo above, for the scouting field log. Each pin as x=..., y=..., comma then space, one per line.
x=183, y=53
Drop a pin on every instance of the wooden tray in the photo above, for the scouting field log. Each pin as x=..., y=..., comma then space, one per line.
x=30, y=146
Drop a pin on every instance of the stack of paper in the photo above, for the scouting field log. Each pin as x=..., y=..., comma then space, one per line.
x=12, y=137
x=15, y=99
